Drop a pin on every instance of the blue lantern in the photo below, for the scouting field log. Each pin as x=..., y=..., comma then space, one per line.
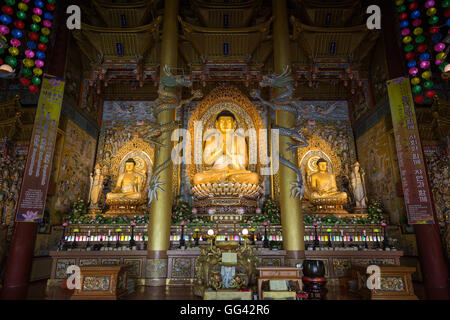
x=40, y=55
x=48, y=16
x=31, y=45
x=16, y=33
x=424, y=56
x=404, y=24
x=436, y=37
x=415, y=14
x=5, y=19
x=39, y=4
x=411, y=64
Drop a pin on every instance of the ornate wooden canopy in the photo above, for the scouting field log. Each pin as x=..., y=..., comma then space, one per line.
x=127, y=15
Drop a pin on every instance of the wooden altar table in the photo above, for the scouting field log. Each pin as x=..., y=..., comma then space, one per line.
x=278, y=273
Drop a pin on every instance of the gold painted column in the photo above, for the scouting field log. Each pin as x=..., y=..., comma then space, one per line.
x=293, y=228
x=161, y=209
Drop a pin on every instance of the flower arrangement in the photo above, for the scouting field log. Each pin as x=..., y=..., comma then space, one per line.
x=270, y=213
x=78, y=208
x=183, y=214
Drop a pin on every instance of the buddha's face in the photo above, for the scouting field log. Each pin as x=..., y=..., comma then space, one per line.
x=129, y=166
x=322, y=166
x=225, y=123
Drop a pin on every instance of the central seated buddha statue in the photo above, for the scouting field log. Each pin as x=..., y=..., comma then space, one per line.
x=129, y=184
x=226, y=155
x=323, y=186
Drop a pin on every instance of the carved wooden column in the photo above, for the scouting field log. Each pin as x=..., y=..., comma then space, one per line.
x=291, y=215
x=161, y=209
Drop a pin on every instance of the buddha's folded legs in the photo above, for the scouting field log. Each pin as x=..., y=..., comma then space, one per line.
x=128, y=195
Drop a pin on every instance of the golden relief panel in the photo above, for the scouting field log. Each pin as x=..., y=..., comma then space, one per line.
x=219, y=99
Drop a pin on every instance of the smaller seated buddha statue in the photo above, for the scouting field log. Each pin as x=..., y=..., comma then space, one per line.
x=323, y=187
x=129, y=184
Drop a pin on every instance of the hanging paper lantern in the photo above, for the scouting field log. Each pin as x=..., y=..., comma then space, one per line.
x=39, y=3
x=28, y=63
x=45, y=31
x=4, y=30
x=29, y=54
x=405, y=32
x=402, y=16
x=26, y=72
x=415, y=81
x=413, y=6
x=33, y=89
x=418, y=31
x=422, y=48
x=43, y=39
x=36, y=18
x=37, y=11
x=13, y=51
x=33, y=36
x=428, y=84
x=418, y=99
x=425, y=64
x=36, y=81
x=441, y=56
x=416, y=89
x=40, y=55
x=31, y=45
x=439, y=47
x=37, y=71
x=431, y=12
x=429, y=3
x=48, y=16
x=407, y=39
x=10, y=2
x=15, y=42
x=437, y=62
x=411, y=64
x=39, y=63
x=25, y=81
x=424, y=56
x=413, y=71
x=415, y=14
x=47, y=23
x=420, y=39
x=7, y=10
x=34, y=27
x=426, y=75
x=5, y=19
x=12, y=61
x=433, y=20
x=417, y=22
x=22, y=6
x=409, y=56
x=403, y=24
x=430, y=93
x=436, y=37
x=409, y=48
x=21, y=15
x=42, y=47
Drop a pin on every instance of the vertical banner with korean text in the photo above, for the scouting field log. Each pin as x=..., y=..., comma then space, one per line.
x=33, y=192
x=409, y=152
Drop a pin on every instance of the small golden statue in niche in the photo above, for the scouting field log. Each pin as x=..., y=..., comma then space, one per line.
x=227, y=155
x=129, y=184
x=129, y=193
x=324, y=193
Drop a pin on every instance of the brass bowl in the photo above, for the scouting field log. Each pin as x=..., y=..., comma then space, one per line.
x=227, y=245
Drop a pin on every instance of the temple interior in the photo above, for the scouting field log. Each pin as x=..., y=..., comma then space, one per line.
x=224, y=150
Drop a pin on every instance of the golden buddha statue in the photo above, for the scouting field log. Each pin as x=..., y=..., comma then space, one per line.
x=323, y=184
x=129, y=184
x=228, y=159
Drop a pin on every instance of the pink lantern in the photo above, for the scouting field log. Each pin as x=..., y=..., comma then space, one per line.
x=425, y=64
x=15, y=42
x=4, y=30
x=438, y=62
x=26, y=1
x=37, y=11
x=413, y=71
x=439, y=47
x=429, y=4
x=39, y=63
x=417, y=22
x=405, y=32
x=29, y=54
x=47, y=23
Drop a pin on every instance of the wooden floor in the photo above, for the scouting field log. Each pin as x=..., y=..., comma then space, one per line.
x=38, y=291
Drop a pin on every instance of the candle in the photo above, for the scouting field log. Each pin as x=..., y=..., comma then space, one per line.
x=342, y=233
x=364, y=232
x=109, y=232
